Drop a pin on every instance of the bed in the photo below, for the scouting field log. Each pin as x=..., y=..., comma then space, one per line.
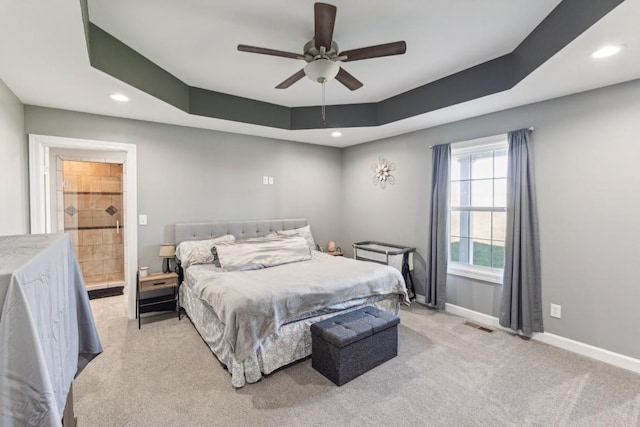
x=256, y=320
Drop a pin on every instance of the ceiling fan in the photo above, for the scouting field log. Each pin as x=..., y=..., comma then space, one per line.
x=322, y=54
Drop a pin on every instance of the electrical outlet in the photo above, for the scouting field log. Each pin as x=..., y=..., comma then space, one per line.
x=265, y=180
x=556, y=311
x=142, y=219
x=270, y=180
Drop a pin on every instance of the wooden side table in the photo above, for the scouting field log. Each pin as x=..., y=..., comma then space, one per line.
x=154, y=282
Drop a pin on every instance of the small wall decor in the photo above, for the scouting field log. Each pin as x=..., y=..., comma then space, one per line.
x=382, y=172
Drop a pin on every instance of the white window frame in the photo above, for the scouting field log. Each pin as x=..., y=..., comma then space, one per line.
x=477, y=272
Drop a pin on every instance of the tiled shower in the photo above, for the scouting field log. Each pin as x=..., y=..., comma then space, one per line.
x=93, y=216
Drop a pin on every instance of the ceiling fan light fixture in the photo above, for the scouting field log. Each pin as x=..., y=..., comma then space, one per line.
x=321, y=70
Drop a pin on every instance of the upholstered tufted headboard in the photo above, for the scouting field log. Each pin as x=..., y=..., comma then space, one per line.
x=240, y=229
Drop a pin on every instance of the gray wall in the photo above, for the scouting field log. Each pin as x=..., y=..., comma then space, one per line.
x=585, y=147
x=190, y=175
x=586, y=150
x=14, y=185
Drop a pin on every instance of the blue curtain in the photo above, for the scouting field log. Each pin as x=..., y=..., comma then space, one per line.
x=521, y=308
x=436, y=292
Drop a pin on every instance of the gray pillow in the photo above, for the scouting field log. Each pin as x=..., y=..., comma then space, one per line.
x=262, y=253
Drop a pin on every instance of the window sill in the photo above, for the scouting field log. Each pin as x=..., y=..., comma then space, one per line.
x=484, y=274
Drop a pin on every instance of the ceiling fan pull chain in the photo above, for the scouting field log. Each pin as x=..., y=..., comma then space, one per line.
x=324, y=116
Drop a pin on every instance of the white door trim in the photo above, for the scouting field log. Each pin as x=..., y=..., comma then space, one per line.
x=38, y=174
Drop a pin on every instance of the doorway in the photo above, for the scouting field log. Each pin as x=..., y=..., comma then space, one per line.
x=45, y=197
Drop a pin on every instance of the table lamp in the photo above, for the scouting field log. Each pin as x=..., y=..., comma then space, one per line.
x=167, y=251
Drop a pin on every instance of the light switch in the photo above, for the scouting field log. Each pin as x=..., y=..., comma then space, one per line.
x=142, y=219
x=270, y=180
x=265, y=180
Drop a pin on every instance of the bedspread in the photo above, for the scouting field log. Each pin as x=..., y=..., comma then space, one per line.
x=254, y=304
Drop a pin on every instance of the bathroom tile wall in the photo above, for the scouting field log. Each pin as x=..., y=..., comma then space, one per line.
x=93, y=212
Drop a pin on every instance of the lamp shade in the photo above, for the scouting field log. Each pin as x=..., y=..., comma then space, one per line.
x=321, y=70
x=167, y=250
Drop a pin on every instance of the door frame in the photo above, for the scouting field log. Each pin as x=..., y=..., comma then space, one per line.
x=40, y=205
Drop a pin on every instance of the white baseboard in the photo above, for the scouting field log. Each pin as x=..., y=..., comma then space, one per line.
x=472, y=315
x=597, y=353
x=615, y=359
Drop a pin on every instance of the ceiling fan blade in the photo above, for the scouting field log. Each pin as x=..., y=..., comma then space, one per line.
x=291, y=80
x=348, y=80
x=388, y=49
x=325, y=19
x=265, y=51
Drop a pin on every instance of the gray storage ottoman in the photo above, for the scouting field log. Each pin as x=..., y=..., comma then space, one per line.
x=348, y=345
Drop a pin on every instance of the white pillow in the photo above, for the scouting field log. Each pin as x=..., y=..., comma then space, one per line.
x=259, y=238
x=302, y=231
x=193, y=252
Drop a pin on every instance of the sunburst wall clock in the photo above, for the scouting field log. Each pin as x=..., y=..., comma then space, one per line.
x=382, y=172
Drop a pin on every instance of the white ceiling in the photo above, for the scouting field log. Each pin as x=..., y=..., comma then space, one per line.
x=44, y=61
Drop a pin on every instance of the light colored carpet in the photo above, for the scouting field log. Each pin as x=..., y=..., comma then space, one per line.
x=446, y=374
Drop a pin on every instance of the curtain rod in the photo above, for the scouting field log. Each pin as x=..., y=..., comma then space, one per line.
x=531, y=128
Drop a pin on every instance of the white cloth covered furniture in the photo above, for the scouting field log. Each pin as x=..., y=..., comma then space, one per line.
x=47, y=331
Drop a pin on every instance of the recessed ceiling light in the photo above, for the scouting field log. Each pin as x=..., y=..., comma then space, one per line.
x=119, y=97
x=336, y=134
x=605, y=51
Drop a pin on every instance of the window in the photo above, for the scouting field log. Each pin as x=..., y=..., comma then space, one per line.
x=478, y=208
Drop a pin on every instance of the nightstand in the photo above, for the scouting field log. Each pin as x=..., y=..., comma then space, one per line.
x=155, y=282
